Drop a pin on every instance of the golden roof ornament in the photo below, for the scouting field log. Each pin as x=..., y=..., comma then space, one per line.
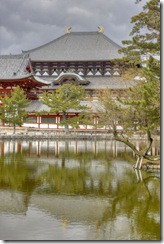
x=101, y=28
x=68, y=29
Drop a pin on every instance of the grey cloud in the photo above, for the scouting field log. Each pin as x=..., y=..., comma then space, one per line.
x=28, y=24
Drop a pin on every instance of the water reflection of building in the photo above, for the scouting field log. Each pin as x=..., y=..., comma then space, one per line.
x=102, y=195
x=50, y=147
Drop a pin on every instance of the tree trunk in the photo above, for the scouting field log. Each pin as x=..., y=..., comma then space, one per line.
x=127, y=142
x=14, y=129
x=124, y=140
x=149, y=144
x=141, y=154
x=64, y=120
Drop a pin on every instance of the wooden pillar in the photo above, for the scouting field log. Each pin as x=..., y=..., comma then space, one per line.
x=38, y=149
x=57, y=149
x=2, y=122
x=58, y=121
x=19, y=147
x=2, y=148
x=38, y=119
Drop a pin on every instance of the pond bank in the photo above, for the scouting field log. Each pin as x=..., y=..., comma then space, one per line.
x=34, y=133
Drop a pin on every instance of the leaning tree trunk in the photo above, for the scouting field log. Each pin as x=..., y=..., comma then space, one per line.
x=140, y=154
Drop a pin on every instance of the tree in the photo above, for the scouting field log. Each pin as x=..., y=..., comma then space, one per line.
x=140, y=109
x=145, y=34
x=66, y=97
x=13, y=109
x=131, y=116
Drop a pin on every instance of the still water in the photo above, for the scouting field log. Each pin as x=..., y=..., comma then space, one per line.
x=76, y=190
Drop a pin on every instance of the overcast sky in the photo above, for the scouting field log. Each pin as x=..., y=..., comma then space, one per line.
x=26, y=24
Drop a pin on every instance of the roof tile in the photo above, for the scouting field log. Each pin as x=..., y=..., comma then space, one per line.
x=13, y=66
x=77, y=46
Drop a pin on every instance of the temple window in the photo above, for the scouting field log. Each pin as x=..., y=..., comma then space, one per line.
x=49, y=120
x=32, y=119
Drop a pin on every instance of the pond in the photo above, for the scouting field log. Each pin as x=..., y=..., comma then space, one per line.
x=76, y=190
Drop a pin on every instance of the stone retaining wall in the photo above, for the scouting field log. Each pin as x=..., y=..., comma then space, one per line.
x=32, y=133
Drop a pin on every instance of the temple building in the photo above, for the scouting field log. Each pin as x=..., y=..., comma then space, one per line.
x=81, y=58
x=16, y=70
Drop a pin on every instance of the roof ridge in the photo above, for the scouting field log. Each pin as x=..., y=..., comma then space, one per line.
x=23, y=62
x=12, y=55
x=83, y=32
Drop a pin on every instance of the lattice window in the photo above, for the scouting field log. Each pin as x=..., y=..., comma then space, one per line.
x=48, y=120
x=31, y=120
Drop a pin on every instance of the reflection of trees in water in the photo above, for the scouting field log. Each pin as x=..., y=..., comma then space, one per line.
x=74, y=171
x=140, y=205
x=94, y=174
x=94, y=177
x=17, y=175
x=63, y=180
x=81, y=174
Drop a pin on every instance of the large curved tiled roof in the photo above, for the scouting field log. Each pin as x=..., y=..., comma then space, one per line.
x=13, y=66
x=77, y=46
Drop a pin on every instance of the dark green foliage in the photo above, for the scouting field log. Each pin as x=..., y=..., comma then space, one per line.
x=66, y=97
x=144, y=99
x=13, y=107
x=140, y=108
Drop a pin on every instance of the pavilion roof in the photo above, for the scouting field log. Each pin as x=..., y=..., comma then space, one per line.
x=79, y=80
x=38, y=106
x=14, y=66
x=102, y=82
x=109, y=83
x=77, y=46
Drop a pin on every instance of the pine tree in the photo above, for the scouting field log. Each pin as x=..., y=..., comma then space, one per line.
x=66, y=97
x=143, y=51
x=13, y=109
x=140, y=109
